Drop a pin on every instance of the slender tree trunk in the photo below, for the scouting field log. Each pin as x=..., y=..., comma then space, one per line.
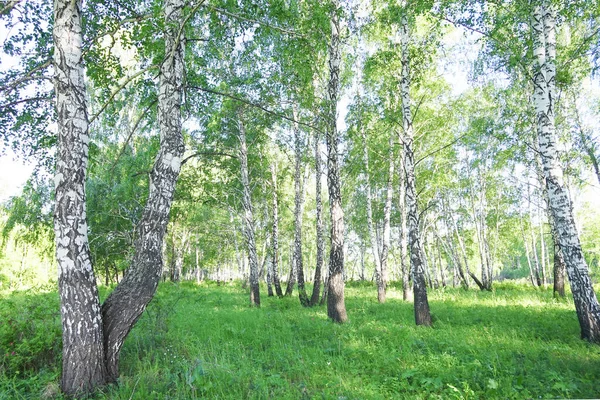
x=442, y=270
x=421, y=303
x=543, y=252
x=387, y=214
x=403, y=224
x=536, y=264
x=83, y=367
x=586, y=303
x=336, y=307
x=248, y=215
x=463, y=250
x=314, y=299
x=291, y=282
x=531, y=274
x=275, y=236
x=370, y=224
x=298, y=211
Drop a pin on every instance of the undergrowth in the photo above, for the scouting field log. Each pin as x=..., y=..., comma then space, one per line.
x=205, y=342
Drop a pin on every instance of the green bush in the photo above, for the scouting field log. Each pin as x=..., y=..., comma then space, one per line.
x=30, y=333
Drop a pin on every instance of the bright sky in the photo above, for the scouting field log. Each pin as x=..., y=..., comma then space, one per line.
x=13, y=174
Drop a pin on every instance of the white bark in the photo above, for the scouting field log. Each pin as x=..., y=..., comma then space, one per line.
x=586, y=303
x=83, y=346
x=422, y=313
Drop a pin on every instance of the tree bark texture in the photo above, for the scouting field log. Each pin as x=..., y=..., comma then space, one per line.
x=249, y=232
x=403, y=224
x=586, y=303
x=128, y=301
x=83, y=367
x=298, y=211
x=421, y=303
x=314, y=298
x=275, y=236
x=336, y=307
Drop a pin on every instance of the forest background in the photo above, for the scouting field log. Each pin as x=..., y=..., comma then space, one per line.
x=420, y=129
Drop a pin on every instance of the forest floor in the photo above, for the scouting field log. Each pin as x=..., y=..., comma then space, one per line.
x=203, y=341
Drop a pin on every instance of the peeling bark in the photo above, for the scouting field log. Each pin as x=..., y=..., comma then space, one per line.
x=421, y=303
x=127, y=302
x=83, y=367
x=586, y=303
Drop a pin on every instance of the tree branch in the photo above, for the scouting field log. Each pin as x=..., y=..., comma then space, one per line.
x=254, y=21
x=135, y=126
x=207, y=153
x=118, y=89
x=27, y=77
x=256, y=105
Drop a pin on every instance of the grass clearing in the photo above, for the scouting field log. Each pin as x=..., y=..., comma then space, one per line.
x=204, y=342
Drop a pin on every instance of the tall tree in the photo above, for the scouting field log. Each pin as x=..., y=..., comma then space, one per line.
x=588, y=310
x=249, y=229
x=314, y=298
x=128, y=301
x=84, y=368
x=93, y=336
x=336, y=306
x=275, y=234
x=298, y=211
x=421, y=303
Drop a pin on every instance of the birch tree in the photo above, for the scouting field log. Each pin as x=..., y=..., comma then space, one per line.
x=93, y=336
x=336, y=307
x=543, y=27
x=421, y=303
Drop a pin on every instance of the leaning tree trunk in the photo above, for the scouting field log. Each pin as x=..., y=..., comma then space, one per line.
x=559, y=262
x=298, y=210
x=128, y=301
x=314, y=298
x=421, y=304
x=586, y=303
x=336, y=307
x=83, y=367
x=370, y=226
x=275, y=237
x=248, y=216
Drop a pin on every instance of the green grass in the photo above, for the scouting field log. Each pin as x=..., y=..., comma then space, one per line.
x=205, y=342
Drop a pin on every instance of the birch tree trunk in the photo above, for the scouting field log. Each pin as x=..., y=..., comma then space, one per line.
x=464, y=278
x=275, y=236
x=314, y=298
x=336, y=307
x=387, y=214
x=421, y=304
x=586, y=303
x=370, y=226
x=403, y=225
x=128, y=301
x=248, y=216
x=83, y=367
x=298, y=211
